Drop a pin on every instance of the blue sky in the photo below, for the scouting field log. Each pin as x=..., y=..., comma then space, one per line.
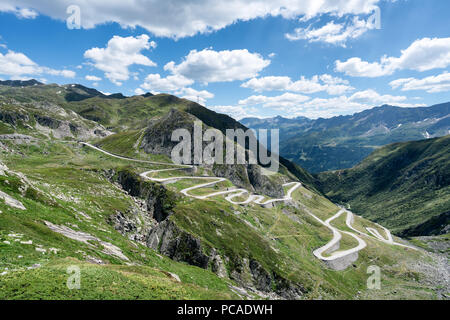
x=245, y=58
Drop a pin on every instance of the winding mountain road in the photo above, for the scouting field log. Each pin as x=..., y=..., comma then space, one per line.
x=329, y=253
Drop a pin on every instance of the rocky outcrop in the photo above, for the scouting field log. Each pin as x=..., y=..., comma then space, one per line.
x=262, y=184
x=159, y=200
x=177, y=244
x=86, y=238
x=261, y=277
x=63, y=128
x=10, y=201
x=133, y=224
x=218, y=265
x=273, y=283
x=13, y=117
x=18, y=138
x=57, y=122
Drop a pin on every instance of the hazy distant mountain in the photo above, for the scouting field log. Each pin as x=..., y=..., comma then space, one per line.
x=342, y=142
x=20, y=83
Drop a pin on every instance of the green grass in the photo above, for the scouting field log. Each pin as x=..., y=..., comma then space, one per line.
x=102, y=282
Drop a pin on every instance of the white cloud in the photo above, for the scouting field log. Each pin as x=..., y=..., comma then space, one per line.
x=432, y=84
x=236, y=112
x=181, y=18
x=372, y=97
x=218, y=66
x=331, y=85
x=285, y=100
x=25, y=13
x=62, y=73
x=333, y=33
x=139, y=91
x=119, y=55
x=175, y=84
x=154, y=82
x=17, y=66
x=268, y=84
x=194, y=95
x=291, y=106
x=93, y=78
x=422, y=55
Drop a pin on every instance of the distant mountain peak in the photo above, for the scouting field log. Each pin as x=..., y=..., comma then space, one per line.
x=21, y=83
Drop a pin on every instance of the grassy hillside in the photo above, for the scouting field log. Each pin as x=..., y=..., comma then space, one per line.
x=67, y=187
x=63, y=204
x=404, y=186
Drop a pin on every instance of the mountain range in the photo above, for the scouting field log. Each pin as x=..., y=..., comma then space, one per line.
x=342, y=142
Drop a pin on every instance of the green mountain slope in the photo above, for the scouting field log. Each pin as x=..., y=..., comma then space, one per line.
x=63, y=204
x=404, y=186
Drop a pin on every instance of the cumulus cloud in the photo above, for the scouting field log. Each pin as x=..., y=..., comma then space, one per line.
x=175, y=84
x=93, y=78
x=292, y=106
x=24, y=12
x=331, y=85
x=333, y=33
x=119, y=55
x=154, y=82
x=285, y=100
x=195, y=95
x=218, y=66
x=432, y=84
x=139, y=91
x=17, y=66
x=181, y=18
x=236, y=112
x=422, y=55
x=372, y=97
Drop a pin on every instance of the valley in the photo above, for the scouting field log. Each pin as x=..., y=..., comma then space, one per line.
x=342, y=142
x=102, y=194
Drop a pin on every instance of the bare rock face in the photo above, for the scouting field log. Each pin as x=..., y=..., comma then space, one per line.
x=59, y=123
x=159, y=200
x=273, y=283
x=263, y=184
x=3, y=169
x=176, y=244
x=18, y=138
x=218, y=266
x=12, y=117
x=10, y=201
x=261, y=277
